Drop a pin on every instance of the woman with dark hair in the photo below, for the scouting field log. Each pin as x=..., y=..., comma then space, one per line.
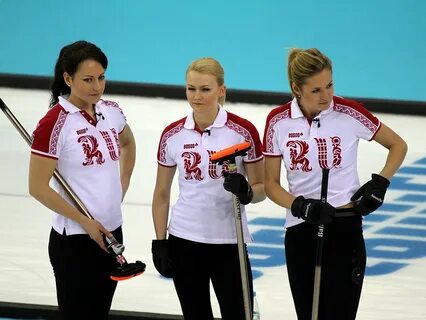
x=88, y=140
x=69, y=60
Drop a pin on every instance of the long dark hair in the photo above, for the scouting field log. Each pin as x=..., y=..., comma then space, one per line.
x=68, y=61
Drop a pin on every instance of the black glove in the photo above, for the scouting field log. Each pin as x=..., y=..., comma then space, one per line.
x=372, y=195
x=312, y=210
x=238, y=185
x=161, y=259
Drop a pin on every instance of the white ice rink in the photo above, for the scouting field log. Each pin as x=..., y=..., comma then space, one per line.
x=395, y=285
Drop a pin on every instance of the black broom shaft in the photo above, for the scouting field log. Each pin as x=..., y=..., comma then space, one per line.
x=320, y=242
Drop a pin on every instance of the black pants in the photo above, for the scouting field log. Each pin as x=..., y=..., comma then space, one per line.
x=195, y=265
x=82, y=273
x=343, y=266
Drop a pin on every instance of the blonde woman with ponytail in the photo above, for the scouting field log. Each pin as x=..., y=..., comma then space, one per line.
x=319, y=131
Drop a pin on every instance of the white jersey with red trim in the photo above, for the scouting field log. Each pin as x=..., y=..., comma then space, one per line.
x=330, y=140
x=204, y=209
x=87, y=155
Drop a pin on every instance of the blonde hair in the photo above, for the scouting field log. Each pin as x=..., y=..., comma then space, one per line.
x=209, y=66
x=303, y=64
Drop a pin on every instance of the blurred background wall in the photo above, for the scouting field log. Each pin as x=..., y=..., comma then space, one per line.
x=381, y=41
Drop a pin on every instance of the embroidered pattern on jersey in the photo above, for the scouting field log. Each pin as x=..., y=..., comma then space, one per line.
x=357, y=116
x=90, y=148
x=337, y=151
x=322, y=152
x=191, y=162
x=114, y=104
x=163, y=142
x=117, y=141
x=110, y=144
x=270, y=133
x=245, y=133
x=213, y=167
x=298, y=152
x=54, y=137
